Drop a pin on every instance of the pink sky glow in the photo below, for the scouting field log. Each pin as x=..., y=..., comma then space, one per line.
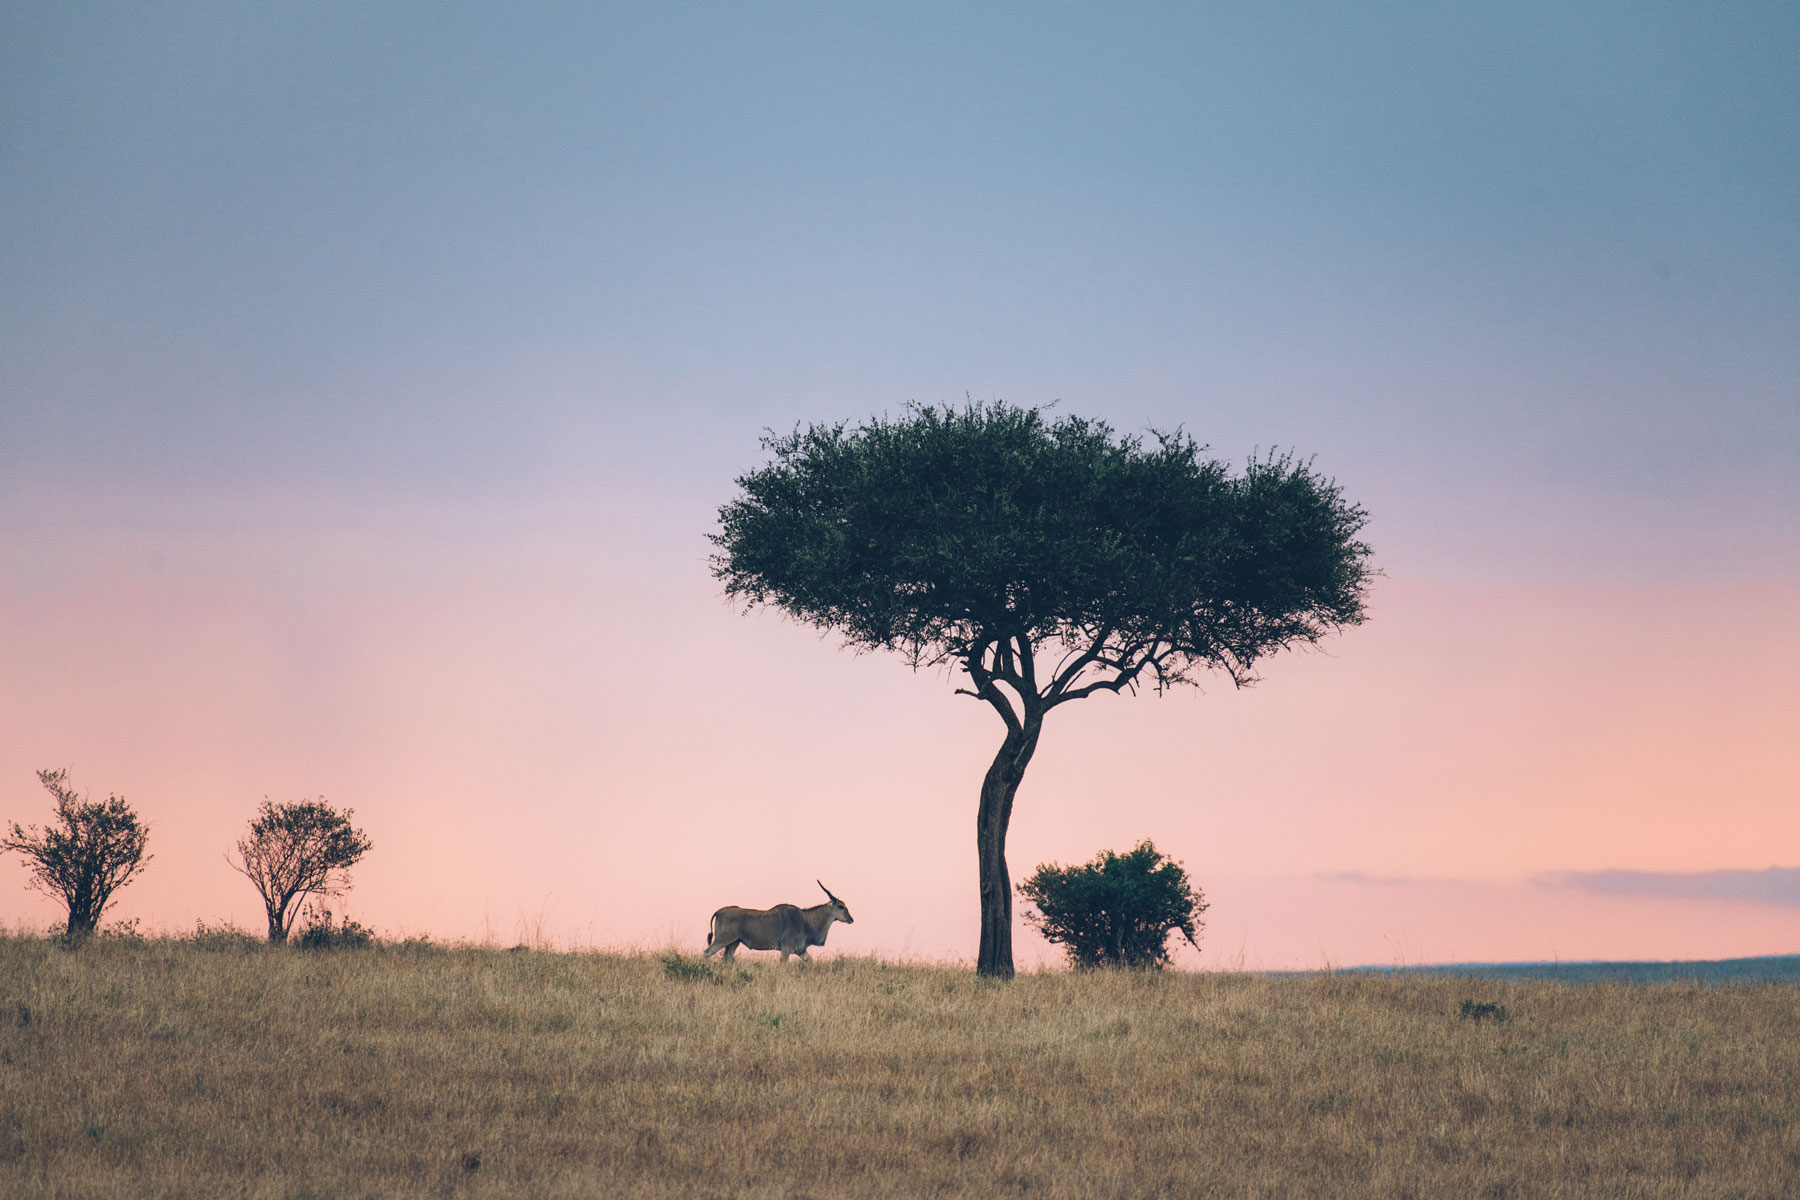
x=554, y=746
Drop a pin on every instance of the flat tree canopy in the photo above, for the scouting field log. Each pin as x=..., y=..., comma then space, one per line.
x=1046, y=560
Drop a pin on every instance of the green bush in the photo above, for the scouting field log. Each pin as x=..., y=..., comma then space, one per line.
x=1116, y=911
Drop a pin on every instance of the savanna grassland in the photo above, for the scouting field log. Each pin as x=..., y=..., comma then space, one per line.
x=219, y=1067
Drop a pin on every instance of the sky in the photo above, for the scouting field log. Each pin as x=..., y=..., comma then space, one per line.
x=372, y=375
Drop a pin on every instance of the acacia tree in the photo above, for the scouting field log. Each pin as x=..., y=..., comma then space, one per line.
x=298, y=850
x=91, y=850
x=1044, y=560
x=1117, y=910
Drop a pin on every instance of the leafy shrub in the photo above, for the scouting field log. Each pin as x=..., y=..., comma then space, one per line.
x=321, y=934
x=1116, y=911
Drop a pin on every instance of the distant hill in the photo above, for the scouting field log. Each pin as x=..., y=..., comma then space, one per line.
x=1775, y=968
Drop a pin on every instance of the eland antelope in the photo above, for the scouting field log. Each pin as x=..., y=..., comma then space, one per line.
x=785, y=927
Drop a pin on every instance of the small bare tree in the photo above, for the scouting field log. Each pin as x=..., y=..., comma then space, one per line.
x=91, y=850
x=297, y=850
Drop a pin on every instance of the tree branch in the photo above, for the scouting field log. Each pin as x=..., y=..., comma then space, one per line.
x=1066, y=674
x=1027, y=671
x=1128, y=666
x=986, y=679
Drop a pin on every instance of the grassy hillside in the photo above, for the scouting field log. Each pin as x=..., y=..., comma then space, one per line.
x=181, y=1068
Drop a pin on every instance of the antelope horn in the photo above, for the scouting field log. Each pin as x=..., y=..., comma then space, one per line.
x=825, y=889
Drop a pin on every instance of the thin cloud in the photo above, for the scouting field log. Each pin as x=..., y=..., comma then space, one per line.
x=1773, y=885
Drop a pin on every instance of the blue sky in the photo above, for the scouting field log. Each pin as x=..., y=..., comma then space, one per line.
x=379, y=245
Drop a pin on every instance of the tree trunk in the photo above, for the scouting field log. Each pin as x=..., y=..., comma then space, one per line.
x=281, y=910
x=995, y=958
x=84, y=913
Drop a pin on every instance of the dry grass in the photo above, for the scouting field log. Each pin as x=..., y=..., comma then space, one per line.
x=168, y=1068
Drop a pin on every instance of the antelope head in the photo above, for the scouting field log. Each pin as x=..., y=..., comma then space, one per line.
x=838, y=909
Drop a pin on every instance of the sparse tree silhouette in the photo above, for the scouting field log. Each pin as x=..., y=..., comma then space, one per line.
x=1118, y=910
x=1046, y=561
x=298, y=850
x=91, y=850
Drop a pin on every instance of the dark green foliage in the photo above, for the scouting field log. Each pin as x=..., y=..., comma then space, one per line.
x=296, y=850
x=1118, y=910
x=321, y=934
x=1484, y=1010
x=945, y=532
x=91, y=850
